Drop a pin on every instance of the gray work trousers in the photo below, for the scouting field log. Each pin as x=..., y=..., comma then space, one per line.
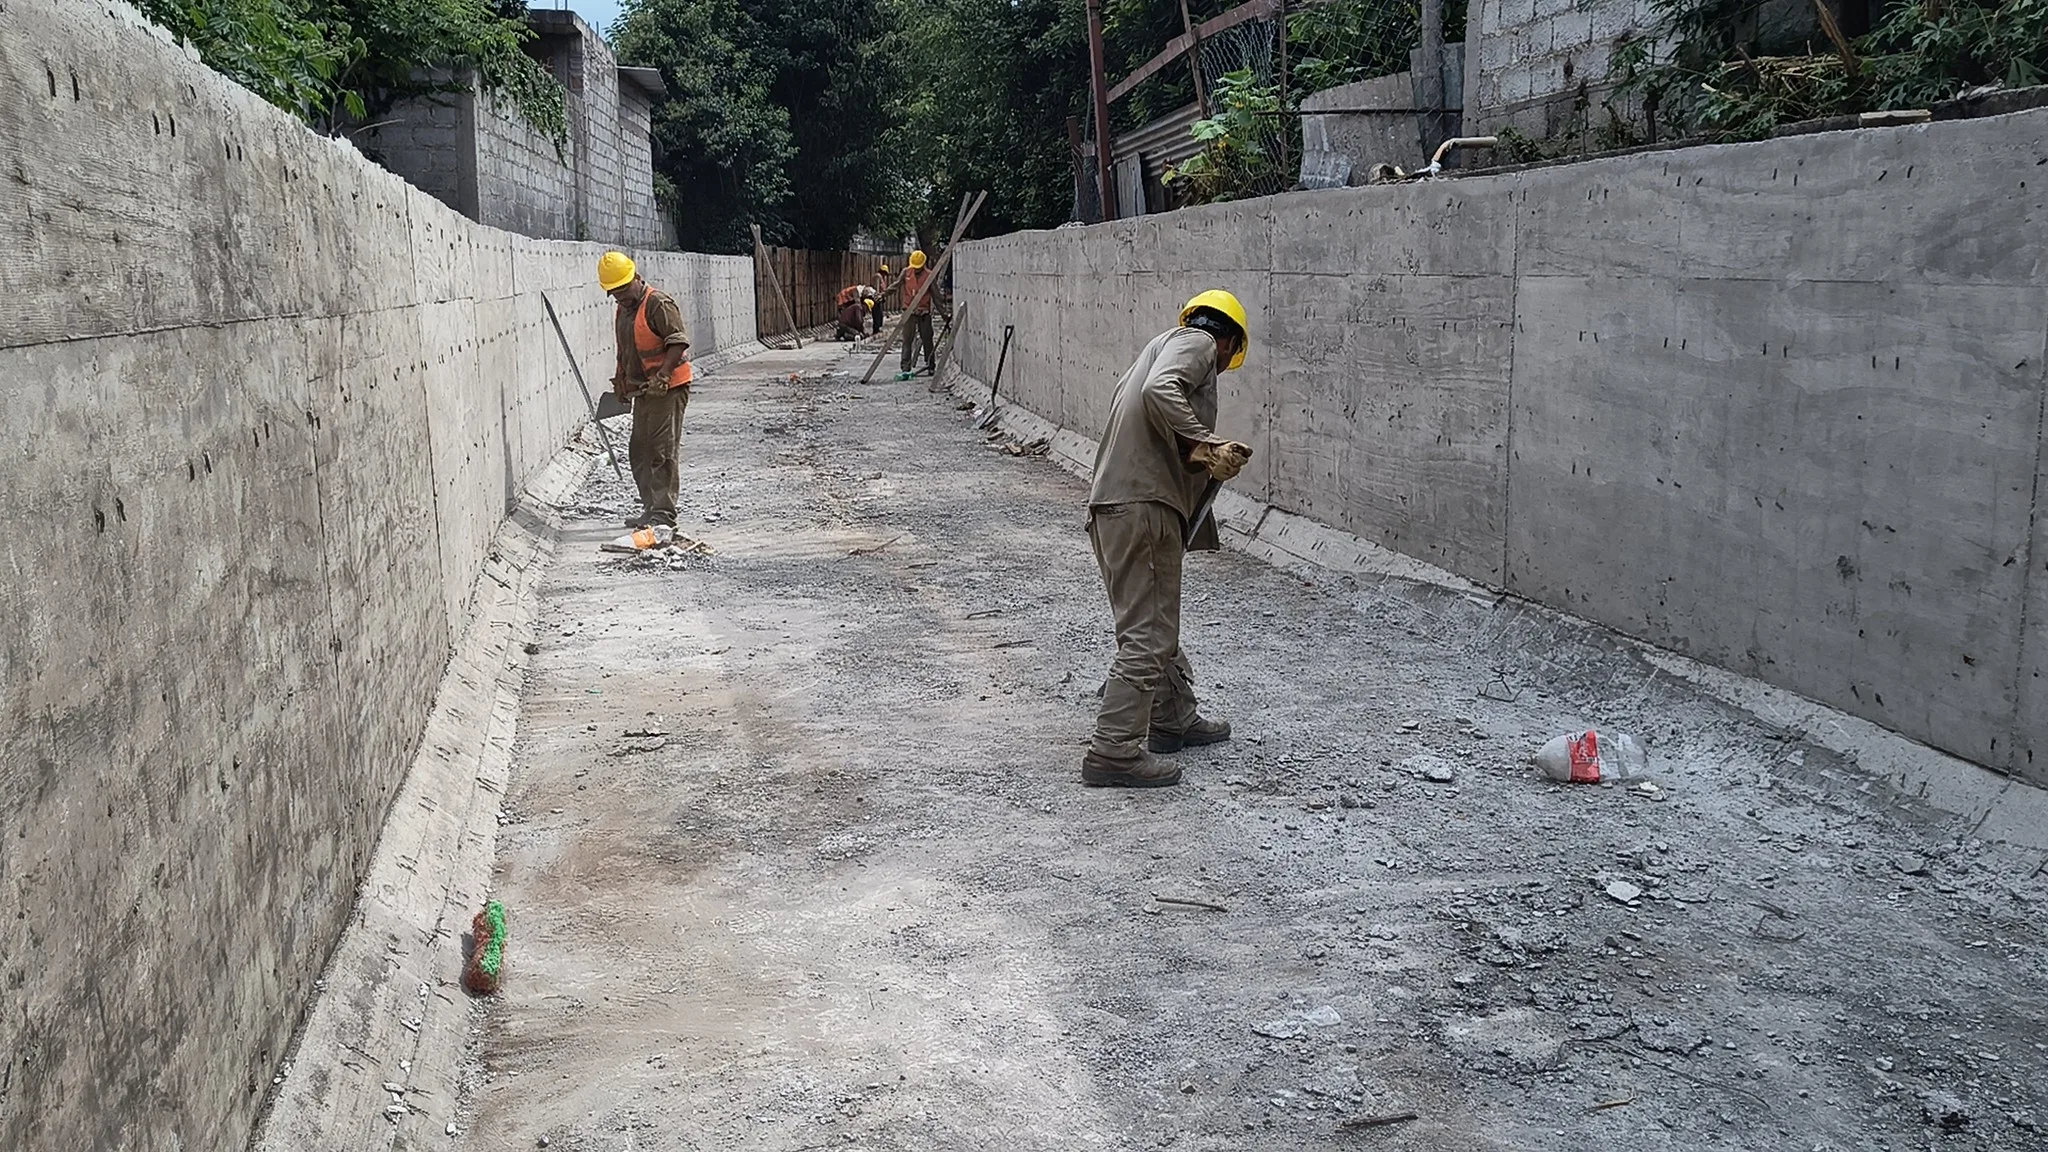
x=655, y=451
x=1138, y=549
x=918, y=325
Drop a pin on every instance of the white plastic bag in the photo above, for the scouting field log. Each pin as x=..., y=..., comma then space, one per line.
x=1592, y=756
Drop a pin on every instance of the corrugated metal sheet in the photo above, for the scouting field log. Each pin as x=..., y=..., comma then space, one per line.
x=1167, y=140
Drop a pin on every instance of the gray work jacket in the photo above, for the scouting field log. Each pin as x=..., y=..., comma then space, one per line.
x=1163, y=406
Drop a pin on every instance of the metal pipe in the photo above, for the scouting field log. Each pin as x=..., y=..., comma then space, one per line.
x=1436, y=162
x=1099, y=82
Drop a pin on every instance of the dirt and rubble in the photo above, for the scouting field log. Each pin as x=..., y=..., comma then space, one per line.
x=796, y=857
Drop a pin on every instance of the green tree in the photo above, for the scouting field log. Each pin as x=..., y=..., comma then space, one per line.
x=338, y=62
x=724, y=147
x=989, y=85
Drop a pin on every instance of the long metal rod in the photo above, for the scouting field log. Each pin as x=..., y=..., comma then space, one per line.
x=580, y=383
x=1255, y=10
x=931, y=281
x=1098, y=82
x=1187, y=28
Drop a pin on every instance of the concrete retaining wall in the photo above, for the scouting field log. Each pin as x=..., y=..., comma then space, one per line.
x=268, y=404
x=1777, y=406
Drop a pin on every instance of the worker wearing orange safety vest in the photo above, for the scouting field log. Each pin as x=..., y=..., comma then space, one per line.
x=918, y=321
x=654, y=376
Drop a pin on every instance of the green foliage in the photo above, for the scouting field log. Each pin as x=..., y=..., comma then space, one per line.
x=1716, y=79
x=1237, y=157
x=334, y=62
x=723, y=146
x=1344, y=41
x=777, y=115
x=268, y=47
x=982, y=102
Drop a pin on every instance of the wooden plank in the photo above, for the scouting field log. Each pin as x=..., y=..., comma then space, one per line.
x=775, y=285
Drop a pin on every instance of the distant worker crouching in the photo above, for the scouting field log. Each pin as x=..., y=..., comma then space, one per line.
x=1157, y=458
x=654, y=376
x=854, y=303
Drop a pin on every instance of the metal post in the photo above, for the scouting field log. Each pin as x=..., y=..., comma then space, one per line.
x=1105, y=180
x=1289, y=131
x=1432, y=74
x=1194, y=35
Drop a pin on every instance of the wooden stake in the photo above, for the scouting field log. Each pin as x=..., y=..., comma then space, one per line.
x=938, y=271
x=775, y=283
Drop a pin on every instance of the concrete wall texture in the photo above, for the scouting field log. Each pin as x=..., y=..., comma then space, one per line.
x=269, y=405
x=1777, y=406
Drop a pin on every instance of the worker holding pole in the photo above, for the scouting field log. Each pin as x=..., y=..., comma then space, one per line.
x=1155, y=473
x=654, y=376
x=918, y=321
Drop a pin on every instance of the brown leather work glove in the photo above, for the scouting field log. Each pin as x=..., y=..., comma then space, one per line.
x=1223, y=461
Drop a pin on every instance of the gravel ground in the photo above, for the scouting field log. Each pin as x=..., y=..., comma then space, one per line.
x=852, y=895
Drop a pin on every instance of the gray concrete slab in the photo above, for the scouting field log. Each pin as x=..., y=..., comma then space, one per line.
x=1827, y=485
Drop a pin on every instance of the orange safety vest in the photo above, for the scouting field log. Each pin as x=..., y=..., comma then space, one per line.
x=847, y=294
x=913, y=279
x=653, y=350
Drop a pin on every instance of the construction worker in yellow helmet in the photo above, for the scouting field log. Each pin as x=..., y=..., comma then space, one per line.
x=654, y=376
x=881, y=287
x=918, y=323
x=1155, y=471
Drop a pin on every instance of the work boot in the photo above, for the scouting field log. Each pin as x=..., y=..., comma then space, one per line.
x=635, y=523
x=1197, y=733
x=1141, y=771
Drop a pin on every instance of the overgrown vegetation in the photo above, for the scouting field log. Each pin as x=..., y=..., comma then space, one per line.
x=342, y=62
x=1721, y=74
x=1238, y=157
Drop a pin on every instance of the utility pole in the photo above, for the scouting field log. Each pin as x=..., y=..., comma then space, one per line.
x=1104, y=178
x=1431, y=75
x=1194, y=35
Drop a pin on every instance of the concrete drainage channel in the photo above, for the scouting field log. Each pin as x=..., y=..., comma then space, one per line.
x=851, y=897
x=374, y=1063
x=1992, y=806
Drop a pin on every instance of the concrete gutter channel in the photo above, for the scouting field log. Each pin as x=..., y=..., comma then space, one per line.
x=1988, y=805
x=392, y=1011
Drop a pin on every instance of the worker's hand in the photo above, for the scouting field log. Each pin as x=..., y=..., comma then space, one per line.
x=653, y=387
x=1223, y=461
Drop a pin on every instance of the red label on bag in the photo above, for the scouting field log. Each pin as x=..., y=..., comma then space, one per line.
x=1585, y=757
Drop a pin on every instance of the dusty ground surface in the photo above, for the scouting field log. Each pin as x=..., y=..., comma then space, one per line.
x=853, y=897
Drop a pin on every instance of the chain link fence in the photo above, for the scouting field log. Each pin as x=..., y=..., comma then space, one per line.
x=1256, y=72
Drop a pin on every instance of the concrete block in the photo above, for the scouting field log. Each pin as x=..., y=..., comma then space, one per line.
x=1772, y=478
x=1572, y=29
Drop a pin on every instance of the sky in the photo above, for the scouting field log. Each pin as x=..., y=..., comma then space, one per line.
x=599, y=14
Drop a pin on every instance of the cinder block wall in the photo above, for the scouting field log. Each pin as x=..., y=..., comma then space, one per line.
x=1777, y=406
x=525, y=183
x=267, y=404
x=1530, y=62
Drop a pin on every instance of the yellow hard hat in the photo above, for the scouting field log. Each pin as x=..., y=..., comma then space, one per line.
x=1223, y=303
x=917, y=259
x=614, y=269
x=885, y=269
